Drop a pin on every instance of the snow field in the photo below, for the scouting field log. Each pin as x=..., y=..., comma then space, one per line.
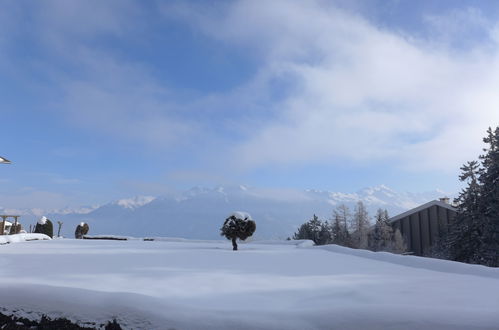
x=184, y=284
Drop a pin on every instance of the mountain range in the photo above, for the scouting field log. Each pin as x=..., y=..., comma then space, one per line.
x=199, y=212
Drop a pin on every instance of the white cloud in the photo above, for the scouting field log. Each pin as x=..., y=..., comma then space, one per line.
x=364, y=93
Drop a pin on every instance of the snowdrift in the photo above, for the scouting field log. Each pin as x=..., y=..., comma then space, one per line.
x=6, y=239
x=186, y=284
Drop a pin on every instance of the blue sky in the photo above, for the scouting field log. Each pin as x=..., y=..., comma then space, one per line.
x=101, y=100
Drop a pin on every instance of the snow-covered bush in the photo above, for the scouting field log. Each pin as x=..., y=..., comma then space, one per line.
x=45, y=226
x=81, y=230
x=238, y=225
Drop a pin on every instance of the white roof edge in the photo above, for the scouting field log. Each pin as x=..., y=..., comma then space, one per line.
x=422, y=207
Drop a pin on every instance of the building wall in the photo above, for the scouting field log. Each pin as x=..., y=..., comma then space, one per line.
x=423, y=228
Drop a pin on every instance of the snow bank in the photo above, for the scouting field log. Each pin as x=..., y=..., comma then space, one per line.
x=6, y=239
x=298, y=242
x=182, y=284
x=437, y=265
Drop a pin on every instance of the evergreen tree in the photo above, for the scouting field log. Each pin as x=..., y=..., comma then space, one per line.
x=314, y=230
x=474, y=236
x=464, y=240
x=489, y=200
x=382, y=235
x=44, y=226
x=81, y=230
x=360, y=227
x=238, y=226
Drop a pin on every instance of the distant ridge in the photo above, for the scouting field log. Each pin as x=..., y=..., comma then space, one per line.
x=200, y=211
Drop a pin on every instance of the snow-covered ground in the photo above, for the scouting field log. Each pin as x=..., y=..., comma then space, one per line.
x=7, y=239
x=182, y=284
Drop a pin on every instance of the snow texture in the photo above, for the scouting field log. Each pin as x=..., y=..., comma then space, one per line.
x=6, y=239
x=182, y=284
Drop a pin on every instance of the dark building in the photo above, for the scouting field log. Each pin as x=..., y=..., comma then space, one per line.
x=422, y=226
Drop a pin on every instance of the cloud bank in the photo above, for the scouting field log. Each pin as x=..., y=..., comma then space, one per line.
x=361, y=93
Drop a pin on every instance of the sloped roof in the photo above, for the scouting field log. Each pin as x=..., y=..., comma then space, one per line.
x=422, y=207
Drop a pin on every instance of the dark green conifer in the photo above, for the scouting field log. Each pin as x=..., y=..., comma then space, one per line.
x=474, y=236
x=81, y=230
x=236, y=228
x=315, y=230
x=45, y=226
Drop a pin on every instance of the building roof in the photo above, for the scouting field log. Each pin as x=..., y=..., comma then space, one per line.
x=422, y=207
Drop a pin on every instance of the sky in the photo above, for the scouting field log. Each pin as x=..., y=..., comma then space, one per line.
x=101, y=100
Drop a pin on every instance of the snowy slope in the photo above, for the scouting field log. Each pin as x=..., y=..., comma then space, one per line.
x=199, y=212
x=268, y=285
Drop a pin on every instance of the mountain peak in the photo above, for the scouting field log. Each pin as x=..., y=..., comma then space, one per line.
x=134, y=202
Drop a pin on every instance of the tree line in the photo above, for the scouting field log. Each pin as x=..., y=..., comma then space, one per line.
x=474, y=235
x=354, y=230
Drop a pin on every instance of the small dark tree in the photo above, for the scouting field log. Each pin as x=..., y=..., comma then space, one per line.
x=45, y=226
x=81, y=230
x=315, y=230
x=238, y=225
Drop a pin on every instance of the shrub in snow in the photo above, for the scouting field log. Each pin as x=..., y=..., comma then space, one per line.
x=238, y=225
x=44, y=226
x=81, y=230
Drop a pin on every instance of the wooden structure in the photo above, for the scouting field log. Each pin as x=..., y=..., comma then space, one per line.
x=4, y=220
x=422, y=226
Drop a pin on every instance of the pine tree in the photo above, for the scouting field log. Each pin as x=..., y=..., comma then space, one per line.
x=44, y=226
x=474, y=236
x=315, y=230
x=464, y=239
x=382, y=234
x=489, y=200
x=360, y=227
x=81, y=230
x=238, y=226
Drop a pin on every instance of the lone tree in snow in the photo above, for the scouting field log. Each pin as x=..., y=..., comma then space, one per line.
x=81, y=230
x=45, y=226
x=238, y=225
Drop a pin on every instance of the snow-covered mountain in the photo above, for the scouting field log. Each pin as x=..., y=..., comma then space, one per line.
x=199, y=212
